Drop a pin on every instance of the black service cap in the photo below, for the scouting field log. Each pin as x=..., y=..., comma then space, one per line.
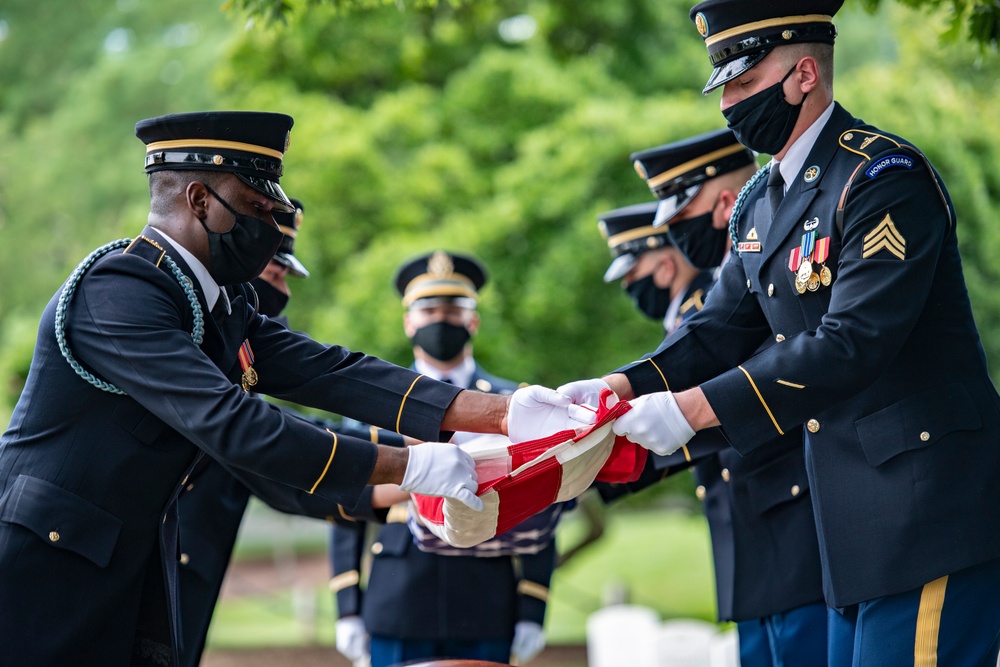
x=289, y=224
x=441, y=275
x=250, y=144
x=629, y=232
x=739, y=33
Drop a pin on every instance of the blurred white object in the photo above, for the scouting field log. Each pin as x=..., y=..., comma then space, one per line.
x=684, y=643
x=529, y=640
x=622, y=635
x=725, y=649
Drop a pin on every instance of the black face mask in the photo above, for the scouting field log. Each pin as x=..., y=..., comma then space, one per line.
x=442, y=340
x=702, y=244
x=650, y=299
x=271, y=300
x=763, y=122
x=239, y=255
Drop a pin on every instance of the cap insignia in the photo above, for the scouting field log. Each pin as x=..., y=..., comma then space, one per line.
x=298, y=218
x=701, y=23
x=811, y=174
x=641, y=170
x=711, y=170
x=603, y=227
x=787, y=34
x=440, y=264
x=288, y=141
x=217, y=159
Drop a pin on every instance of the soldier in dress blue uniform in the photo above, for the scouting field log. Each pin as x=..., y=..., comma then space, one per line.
x=847, y=257
x=425, y=598
x=140, y=386
x=210, y=509
x=767, y=570
x=656, y=275
x=713, y=166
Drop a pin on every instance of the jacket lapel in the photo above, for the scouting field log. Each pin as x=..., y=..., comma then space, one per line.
x=801, y=193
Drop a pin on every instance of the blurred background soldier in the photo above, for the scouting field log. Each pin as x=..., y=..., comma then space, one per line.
x=656, y=275
x=425, y=598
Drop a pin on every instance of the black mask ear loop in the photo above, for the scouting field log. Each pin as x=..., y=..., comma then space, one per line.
x=785, y=78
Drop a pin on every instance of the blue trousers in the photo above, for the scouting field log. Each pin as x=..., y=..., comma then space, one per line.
x=953, y=621
x=790, y=639
x=387, y=651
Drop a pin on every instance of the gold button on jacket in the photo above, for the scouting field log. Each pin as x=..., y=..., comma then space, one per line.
x=813, y=426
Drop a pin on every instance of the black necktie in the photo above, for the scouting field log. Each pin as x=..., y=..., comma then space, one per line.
x=219, y=311
x=447, y=381
x=775, y=189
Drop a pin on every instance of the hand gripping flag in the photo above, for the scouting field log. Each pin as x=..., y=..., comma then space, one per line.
x=517, y=481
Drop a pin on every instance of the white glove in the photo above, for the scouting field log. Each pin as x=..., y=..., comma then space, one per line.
x=352, y=639
x=656, y=423
x=586, y=392
x=442, y=469
x=537, y=412
x=529, y=640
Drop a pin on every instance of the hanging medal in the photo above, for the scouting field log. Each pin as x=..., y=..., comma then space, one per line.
x=249, y=378
x=794, y=262
x=820, y=254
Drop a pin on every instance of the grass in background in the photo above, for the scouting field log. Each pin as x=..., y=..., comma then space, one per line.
x=660, y=556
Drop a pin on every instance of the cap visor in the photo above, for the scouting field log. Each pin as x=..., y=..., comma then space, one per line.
x=270, y=189
x=671, y=206
x=292, y=263
x=621, y=265
x=732, y=69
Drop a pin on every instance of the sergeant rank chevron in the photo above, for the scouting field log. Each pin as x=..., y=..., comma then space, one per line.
x=885, y=236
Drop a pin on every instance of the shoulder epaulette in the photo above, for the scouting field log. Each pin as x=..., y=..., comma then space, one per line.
x=881, y=153
x=867, y=144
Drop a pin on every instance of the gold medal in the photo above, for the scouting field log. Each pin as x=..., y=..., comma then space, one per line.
x=805, y=270
x=825, y=276
x=813, y=283
x=249, y=378
x=800, y=287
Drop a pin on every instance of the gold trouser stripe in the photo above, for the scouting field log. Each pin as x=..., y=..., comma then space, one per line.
x=525, y=587
x=212, y=143
x=929, y=623
x=767, y=23
x=662, y=377
x=399, y=417
x=333, y=452
x=762, y=401
x=345, y=580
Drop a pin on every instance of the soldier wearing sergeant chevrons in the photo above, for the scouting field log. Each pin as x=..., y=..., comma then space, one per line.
x=851, y=266
x=767, y=570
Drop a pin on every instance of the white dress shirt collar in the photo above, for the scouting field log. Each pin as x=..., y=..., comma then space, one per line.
x=461, y=375
x=797, y=153
x=209, y=288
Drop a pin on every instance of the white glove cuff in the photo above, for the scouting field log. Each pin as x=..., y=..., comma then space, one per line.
x=675, y=420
